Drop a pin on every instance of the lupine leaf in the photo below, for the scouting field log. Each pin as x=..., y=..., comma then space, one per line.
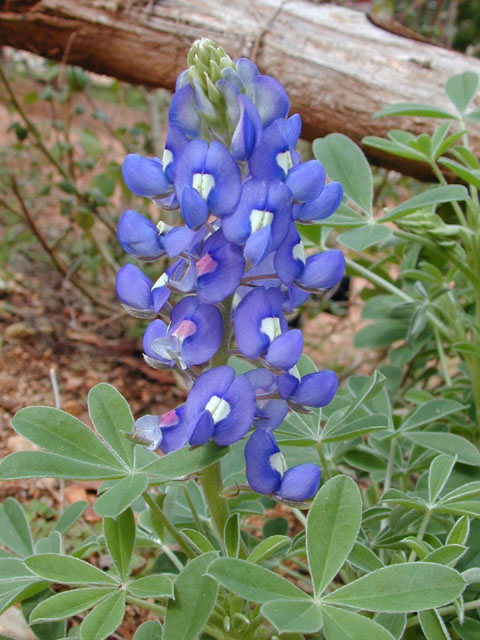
x=153, y=586
x=70, y=516
x=393, y=622
x=120, y=538
x=401, y=588
x=268, y=547
x=433, y=626
x=442, y=442
x=431, y=411
x=69, y=603
x=184, y=462
x=202, y=543
x=195, y=596
x=414, y=109
x=111, y=416
x=364, y=237
x=14, y=530
x=303, y=616
x=345, y=162
x=340, y=623
x=105, y=618
x=461, y=89
x=469, y=630
x=61, y=433
x=431, y=197
x=49, y=544
x=332, y=527
x=42, y=464
x=438, y=474
x=121, y=495
x=232, y=535
x=462, y=172
x=67, y=570
x=150, y=630
x=252, y=582
x=364, y=558
x=393, y=147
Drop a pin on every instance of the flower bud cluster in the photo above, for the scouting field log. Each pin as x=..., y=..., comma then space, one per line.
x=237, y=262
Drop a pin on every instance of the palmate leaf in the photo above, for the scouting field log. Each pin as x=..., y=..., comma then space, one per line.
x=303, y=616
x=195, y=596
x=14, y=529
x=105, y=618
x=67, y=570
x=401, y=588
x=332, y=527
x=69, y=603
x=120, y=538
x=340, y=623
x=121, y=495
x=253, y=582
x=184, y=462
x=61, y=433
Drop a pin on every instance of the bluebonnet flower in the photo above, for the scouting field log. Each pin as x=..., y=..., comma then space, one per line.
x=235, y=265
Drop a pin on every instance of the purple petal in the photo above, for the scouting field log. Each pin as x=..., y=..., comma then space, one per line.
x=241, y=398
x=175, y=432
x=316, y=389
x=248, y=132
x=134, y=289
x=247, y=70
x=177, y=240
x=228, y=272
x=306, y=180
x=287, y=384
x=225, y=194
x=324, y=205
x=258, y=452
x=270, y=414
x=184, y=113
x=285, y=351
x=323, y=270
x=205, y=341
x=202, y=429
x=194, y=208
x=145, y=176
x=290, y=257
x=258, y=245
x=294, y=128
x=300, y=483
x=258, y=304
x=155, y=331
x=212, y=382
x=270, y=98
x=138, y=236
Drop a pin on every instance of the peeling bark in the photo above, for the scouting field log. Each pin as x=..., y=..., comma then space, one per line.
x=337, y=67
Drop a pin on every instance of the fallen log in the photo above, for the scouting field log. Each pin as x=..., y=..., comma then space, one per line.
x=338, y=67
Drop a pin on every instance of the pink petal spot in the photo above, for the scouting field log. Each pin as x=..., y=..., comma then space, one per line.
x=206, y=264
x=169, y=419
x=185, y=329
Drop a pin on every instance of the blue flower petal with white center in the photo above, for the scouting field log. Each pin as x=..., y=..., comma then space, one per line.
x=147, y=429
x=210, y=382
x=248, y=131
x=306, y=180
x=272, y=160
x=316, y=389
x=202, y=429
x=134, y=291
x=258, y=245
x=294, y=298
x=287, y=383
x=156, y=331
x=174, y=430
x=264, y=462
x=138, y=236
x=270, y=414
x=177, y=240
x=293, y=129
x=290, y=258
x=174, y=145
x=300, y=483
x=194, y=208
x=258, y=320
x=219, y=270
x=285, y=351
x=184, y=112
x=212, y=172
x=198, y=328
x=323, y=270
x=323, y=206
x=145, y=176
x=240, y=397
x=270, y=98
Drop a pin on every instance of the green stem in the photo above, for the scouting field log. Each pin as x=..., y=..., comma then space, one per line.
x=445, y=611
x=172, y=530
x=323, y=461
x=155, y=608
x=443, y=360
x=211, y=481
x=421, y=533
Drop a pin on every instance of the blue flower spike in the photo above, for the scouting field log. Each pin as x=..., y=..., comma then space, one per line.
x=231, y=266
